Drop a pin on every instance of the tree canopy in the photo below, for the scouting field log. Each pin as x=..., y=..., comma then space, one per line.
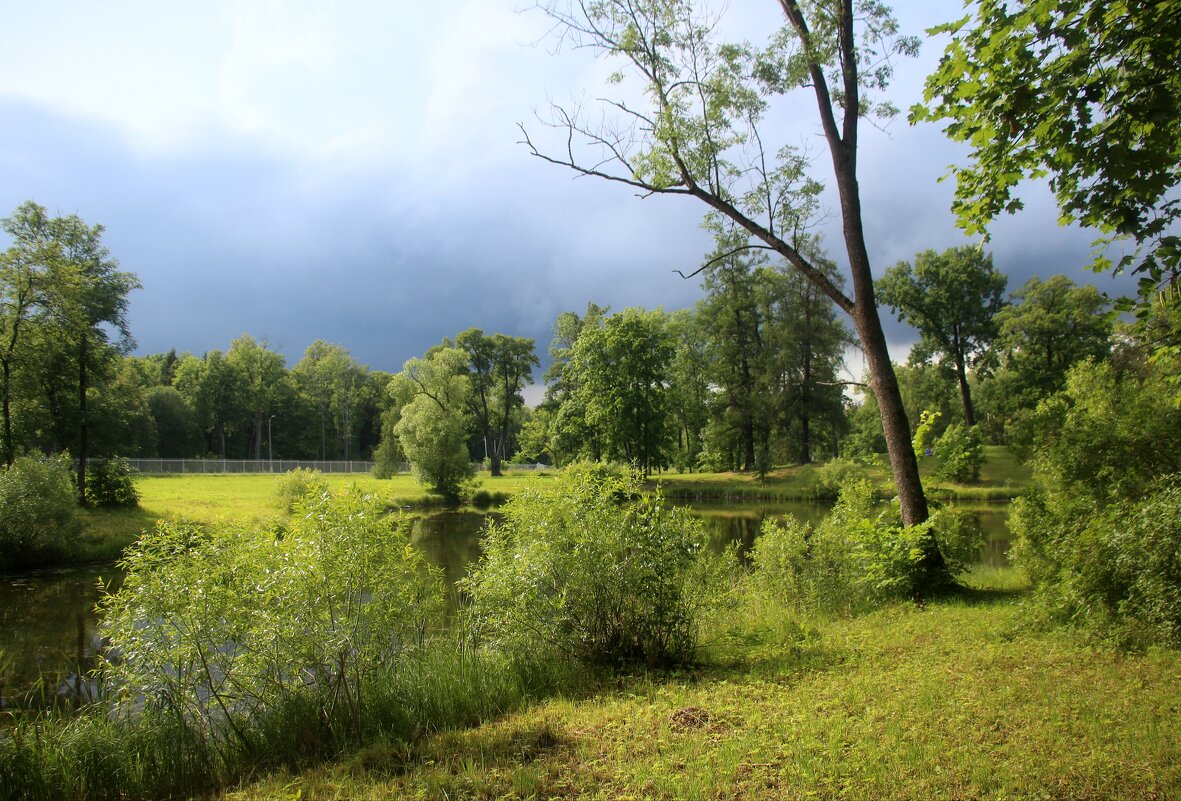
x=1083, y=92
x=952, y=298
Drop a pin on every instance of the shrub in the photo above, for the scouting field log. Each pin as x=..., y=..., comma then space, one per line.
x=1116, y=572
x=111, y=482
x=586, y=566
x=834, y=474
x=960, y=451
x=850, y=562
x=38, y=510
x=231, y=631
x=298, y=483
x=1098, y=531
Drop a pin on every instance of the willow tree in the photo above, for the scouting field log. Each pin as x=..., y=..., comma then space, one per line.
x=699, y=128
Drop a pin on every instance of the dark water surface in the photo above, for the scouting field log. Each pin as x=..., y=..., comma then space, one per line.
x=48, y=624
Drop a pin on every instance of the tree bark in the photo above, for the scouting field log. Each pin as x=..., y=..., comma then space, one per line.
x=83, y=429
x=9, y=450
x=961, y=374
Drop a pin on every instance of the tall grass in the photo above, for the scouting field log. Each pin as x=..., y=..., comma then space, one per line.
x=157, y=754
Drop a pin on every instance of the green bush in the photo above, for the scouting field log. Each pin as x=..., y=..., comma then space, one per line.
x=850, y=562
x=960, y=451
x=111, y=482
x=1098, y=531
x=232, y=631
x=296, y=484
x=1116, y=572
x=829, y=477
x=38, y=510
x=585, y=565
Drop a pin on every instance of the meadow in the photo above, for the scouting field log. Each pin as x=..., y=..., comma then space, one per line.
x=964, y=695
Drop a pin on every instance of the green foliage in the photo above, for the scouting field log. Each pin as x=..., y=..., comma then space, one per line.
x=226, y=631
x=923, y=431
x=864, y=440
x=1087, y=93
x=1097, y=533
x=960, y=451
x=38, y=510
x=1114, y=571
x=834, y=474
x=434, y=421
x=851, y=562
x=1051, y=326
x=577, y=566
x=952, y=298
x=63, y=324
x=297, y=484
x=111, y=482
x=499, y=367
x=620, y=366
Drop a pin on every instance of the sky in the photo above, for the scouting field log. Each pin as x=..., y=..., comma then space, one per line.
x=352, y=171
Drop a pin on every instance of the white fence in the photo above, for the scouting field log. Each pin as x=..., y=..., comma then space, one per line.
x=247, y=465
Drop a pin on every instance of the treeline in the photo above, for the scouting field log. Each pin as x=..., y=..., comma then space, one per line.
x=751, y=377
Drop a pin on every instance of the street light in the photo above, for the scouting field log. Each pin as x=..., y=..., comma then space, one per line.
x=270, y=450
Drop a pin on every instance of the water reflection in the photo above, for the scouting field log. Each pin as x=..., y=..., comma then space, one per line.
x=726, y=524
x=48, y=628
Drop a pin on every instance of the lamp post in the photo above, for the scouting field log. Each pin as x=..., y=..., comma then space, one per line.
x=270, y=450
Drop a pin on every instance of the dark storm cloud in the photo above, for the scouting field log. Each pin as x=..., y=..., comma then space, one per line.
x=229, y=240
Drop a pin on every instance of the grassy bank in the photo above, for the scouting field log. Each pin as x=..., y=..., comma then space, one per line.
x=1001, y=478
x=954, y=700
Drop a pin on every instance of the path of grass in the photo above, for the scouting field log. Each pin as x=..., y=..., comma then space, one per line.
x=956, y=700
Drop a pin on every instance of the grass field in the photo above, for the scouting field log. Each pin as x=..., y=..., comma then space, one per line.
x=957, y=699
x=214, y=498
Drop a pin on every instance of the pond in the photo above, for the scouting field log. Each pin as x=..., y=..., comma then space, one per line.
x=48, y=625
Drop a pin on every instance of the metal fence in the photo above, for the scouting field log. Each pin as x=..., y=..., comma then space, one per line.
x=169, y=466
x=247, y=465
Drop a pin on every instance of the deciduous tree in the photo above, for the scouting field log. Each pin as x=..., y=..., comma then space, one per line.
x=500, y=365
x=701, y=134
x=1086, y=93
x=434, y=393
x=952, y=298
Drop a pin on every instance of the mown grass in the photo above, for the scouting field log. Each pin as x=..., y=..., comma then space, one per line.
x=1001, y=478
x=957, y=699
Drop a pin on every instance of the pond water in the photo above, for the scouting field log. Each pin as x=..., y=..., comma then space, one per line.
x=48, y=625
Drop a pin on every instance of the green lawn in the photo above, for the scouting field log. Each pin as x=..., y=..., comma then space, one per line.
x=217, y=498
x=954, y=700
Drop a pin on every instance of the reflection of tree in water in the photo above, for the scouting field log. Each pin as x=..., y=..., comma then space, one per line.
x=726, y=524
x=43, y=617
x=451, y=540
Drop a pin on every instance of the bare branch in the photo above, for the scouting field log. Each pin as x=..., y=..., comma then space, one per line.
x=722, y=257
